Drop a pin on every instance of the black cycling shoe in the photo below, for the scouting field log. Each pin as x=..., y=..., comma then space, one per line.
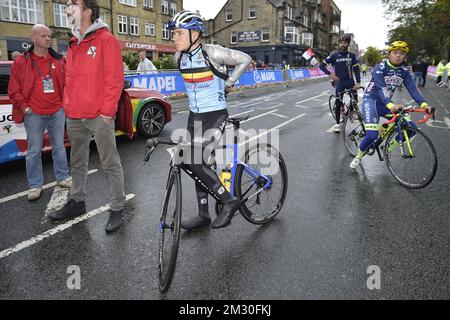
x=71, y=209
x=224, y=218
x=197, y=222
x=114, y=221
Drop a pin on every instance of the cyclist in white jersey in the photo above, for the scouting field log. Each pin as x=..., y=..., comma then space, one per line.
x=203, y=68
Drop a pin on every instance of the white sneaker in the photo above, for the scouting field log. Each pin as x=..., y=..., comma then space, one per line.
x=65, y=183
x=337, y=128
x=34, y=194
x=355, y=163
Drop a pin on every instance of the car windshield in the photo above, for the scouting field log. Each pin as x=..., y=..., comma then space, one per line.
x=4, y=78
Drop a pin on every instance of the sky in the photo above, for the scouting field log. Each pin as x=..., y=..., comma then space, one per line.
x=362, y=18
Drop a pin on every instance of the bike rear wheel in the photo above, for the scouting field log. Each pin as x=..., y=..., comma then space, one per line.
x=265, y=200
x=354, y=132
x=412, y=164
x=169, y=228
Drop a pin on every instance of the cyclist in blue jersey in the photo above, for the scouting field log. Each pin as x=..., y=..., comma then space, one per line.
x=344, y=64
x=203, y=68
x=377, y=101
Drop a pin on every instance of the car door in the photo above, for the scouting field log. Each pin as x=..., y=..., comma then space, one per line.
x=124, y=115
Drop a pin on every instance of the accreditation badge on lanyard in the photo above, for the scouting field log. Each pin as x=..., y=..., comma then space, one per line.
x=47, y=82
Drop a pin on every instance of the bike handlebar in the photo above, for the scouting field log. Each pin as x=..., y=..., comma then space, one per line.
x=412, y=109
x=151, y=145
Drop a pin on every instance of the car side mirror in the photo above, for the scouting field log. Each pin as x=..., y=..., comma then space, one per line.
x=127, y=84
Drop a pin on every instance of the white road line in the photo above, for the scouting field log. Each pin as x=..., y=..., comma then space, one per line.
x=326, y=103
x=253, y=118
x=331, y=130
x=300, y=106
x=239, y=114
x=274, y=128
x=57, y=201
x=280, y=115
x=58, y=229
x=24, y=193
x=313, y=98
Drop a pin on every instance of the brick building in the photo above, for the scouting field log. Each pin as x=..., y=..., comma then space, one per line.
x=274, y=31
x=137, y=24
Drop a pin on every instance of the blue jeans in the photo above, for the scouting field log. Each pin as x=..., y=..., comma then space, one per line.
x=35, y=126
x=418, y=78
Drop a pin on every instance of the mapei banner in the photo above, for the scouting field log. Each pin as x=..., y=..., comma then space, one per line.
x=171, y=83
x=257, y=77
x=165, y=83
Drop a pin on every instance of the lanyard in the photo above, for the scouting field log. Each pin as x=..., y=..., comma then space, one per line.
x=39, y=70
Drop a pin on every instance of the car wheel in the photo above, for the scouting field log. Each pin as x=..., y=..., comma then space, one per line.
x=151, y=120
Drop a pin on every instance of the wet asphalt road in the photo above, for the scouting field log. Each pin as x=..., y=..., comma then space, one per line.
x=334, y=225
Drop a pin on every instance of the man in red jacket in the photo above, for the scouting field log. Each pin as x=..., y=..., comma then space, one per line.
x=94, y=82
x=35, y=88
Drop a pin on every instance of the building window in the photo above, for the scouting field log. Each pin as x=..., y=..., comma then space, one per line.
x=306, y=19
x=252, y=13
x=307, y=39
x=213, y=40
x=123, y=24
x=166, y=32
x=289, y=12
x=25, y=11
x=173, y=8
x=265, y=35
x=233, y=39
x=148, y=3
x=134, y=26
x=228, y=16
x=128, y=2
x=335, y=29
x=165, y=6
x=60, y=16
x=291, y=35
x=150, y=29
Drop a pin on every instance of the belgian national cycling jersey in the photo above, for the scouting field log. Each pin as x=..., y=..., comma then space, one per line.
x=344, y=63
x=386, y=78
x=205, y=90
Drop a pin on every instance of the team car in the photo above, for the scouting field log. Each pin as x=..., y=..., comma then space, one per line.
x=139, y=110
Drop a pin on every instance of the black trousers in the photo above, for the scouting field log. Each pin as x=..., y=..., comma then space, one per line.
x=205, y=130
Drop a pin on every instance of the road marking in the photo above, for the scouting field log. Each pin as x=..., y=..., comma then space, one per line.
x=300, y=106
x=274, y=128
x=253, y=118
x=57, y=201
x=326, y=103
x=239, y=114
x=280, y=115
x=313, y=98
x=58, y=229
x=331, y=130
x=24, y=193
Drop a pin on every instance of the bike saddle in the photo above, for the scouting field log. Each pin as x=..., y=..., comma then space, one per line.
x=235, y=120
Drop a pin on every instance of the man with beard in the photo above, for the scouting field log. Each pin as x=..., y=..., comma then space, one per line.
x=344, y=64
x=94, y=82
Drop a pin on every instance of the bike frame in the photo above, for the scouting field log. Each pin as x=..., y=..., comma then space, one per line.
x=252, y=172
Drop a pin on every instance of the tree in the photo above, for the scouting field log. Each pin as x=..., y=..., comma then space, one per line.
x=372, y=56
x=131, y=59
x=424, y=24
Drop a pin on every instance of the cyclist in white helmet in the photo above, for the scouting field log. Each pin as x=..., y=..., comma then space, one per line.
x=204, y=71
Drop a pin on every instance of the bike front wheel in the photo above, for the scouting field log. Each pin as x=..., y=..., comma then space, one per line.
x=169, y=227
x=262, y=185
x=332, y=106
x=411, y=157
x=354, y=132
